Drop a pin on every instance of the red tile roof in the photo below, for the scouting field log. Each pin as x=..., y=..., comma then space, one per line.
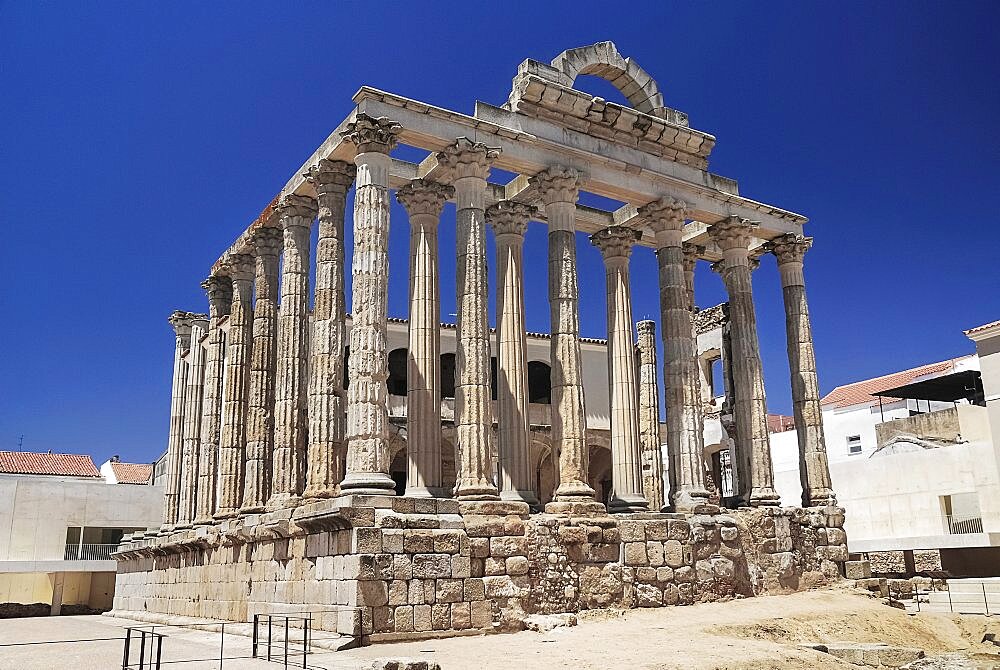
x=983, y=327
x=132, y=473
x=779, y=423
x=860, y=393
x=29, y=463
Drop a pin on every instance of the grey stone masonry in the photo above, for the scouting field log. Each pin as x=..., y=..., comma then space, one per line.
x=327, y=399
x=295, y=216
x=649, y=416
x=468, y=165
x=181, y=323
x=814, y=469
x=263, y=358
x=680, y=366
x=733, y=235
x=232, y=448
x=615, y=244
x=187, y=500
x=559, y=190
x=367, y=413
x=220, y=297
x=692, y=252
x=510, y=221
x=424, y=201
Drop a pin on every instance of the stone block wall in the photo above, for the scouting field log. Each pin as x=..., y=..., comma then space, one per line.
x=379, y=569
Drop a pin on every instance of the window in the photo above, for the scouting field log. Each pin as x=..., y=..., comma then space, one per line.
x=853, y=444
x=396, y=383
x=93, y=543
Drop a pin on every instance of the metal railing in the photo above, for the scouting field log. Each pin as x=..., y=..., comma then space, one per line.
x=272, y=630
x=89, y=552
x=150, y=644
x=959, y=525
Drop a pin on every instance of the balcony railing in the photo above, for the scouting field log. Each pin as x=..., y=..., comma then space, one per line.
x=960, y=525
x=89, y=552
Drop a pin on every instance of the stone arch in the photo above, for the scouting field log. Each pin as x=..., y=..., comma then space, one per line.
x=604, y=61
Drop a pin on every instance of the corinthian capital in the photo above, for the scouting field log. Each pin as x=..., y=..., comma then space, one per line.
x=466, y=158
x=370, y=134
x=557, y=184
x=240, y=267
x=692, y=252
x=664, y=214
x=615, y=242
x=219, y=288
x=296, y=210
x=732, y=233
x=509, y=218
x=422, y=196
x=329, y=176
x=789, y=248
x=266, y=241
x=181, y=323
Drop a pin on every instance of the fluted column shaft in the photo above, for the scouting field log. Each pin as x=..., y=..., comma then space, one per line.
x=263, y=356
x=649, y=416
x=327, y=399
x=468, y=164
x=367, y=413
x=181, y=323
x=733, y=235
x=220, y=297
x=510, y=220
x=814, y=469
x=692, y=252
x=234, y=410
x=188, y=501
x=424, y=201
x=558, y=189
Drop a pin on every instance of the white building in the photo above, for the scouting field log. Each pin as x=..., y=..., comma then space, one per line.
x=914, y=459
x=60, y=519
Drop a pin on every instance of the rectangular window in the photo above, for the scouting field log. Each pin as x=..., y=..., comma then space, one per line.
x=853, y=444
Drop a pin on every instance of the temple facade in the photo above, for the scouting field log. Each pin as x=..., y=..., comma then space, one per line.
x=399, y=478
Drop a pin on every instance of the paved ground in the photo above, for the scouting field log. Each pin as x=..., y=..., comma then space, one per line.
x=757, y=634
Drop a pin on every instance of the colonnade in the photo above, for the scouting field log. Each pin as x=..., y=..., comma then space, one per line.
x=260, y=419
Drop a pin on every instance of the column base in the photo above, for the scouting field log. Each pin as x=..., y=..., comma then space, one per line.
x=764, y=496
x=476, y=490
x=222, y=515
x=420, y=492
x=821, y=498
x=255, y=509
x=693, y=502
x=494, y=507
x=527, y=497
x=627, y=504
x=576, y=508
x=320, y=493
x=573, y=491
x=368, y=483
x=280, y=501
x=204, y=521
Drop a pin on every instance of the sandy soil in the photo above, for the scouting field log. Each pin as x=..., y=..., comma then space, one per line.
x=752, y=634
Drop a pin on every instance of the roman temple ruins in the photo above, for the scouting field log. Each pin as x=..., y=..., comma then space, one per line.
x=406, y=478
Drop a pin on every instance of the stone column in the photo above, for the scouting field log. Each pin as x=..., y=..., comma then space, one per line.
x=192, y=422
x=649, y=416
x=181, y=323
x=558, y=189
x=510, y=220
x=424, y=201
x=685, y=438
x=220, y=298
x=367, y=414
x=468, y=165
x=814, y=470
x=692, y=252
x=260, y=418
x=327, y=399
x=733, y=236
x=615, y=244
x=295, y=216
x=234, y=410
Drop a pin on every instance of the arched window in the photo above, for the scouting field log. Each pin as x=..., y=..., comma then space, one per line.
x=539, y=382
x=396, y=384
x=448, y=375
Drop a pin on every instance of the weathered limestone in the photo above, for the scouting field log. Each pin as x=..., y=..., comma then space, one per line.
x=424, y=201
x=733, y=235
x=468, y=166
x=649, y=416
x=615, y=244
x=510, y=220
x=692, y=252
x=263, y=358
x=220, y=297
x=814, y=470
x=181, y=323
x=367, y=415
x=237, y=385
x=192, y=422
x=295, y=216
x=327, y=399
x=558, y=189
x=680, y=366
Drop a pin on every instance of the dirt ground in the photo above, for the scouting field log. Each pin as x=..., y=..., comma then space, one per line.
x=751, y=634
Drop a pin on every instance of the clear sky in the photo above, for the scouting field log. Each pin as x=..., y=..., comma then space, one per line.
x=137, y=140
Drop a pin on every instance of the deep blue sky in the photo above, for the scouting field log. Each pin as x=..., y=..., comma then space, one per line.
x=137, y=140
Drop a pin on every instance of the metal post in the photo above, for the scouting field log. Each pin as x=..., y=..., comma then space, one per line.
x=268, y=637
x=255, y=617
x=222, y=645
x=986, y=603
x=305, y=642
x=286, y=642
x=128, y=643
x=950, y=606
x=142, y=650
x=159, y=651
